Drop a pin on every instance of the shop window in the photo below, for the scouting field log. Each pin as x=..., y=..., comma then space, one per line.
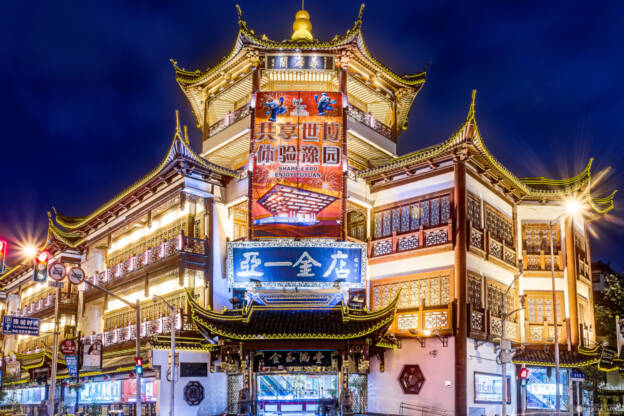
x=539, y=307
x=474, y=210
x=499, y=225
x=433, y=289
x=408, y=217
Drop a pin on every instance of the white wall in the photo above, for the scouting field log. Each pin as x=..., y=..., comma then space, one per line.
x=385, y=394
x=483, y=360
x=215, y=386
x=488, y=196
x=221, y=294
x=411, y=265
x=413, y=189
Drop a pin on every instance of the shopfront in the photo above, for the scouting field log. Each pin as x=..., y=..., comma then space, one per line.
x=282, y=393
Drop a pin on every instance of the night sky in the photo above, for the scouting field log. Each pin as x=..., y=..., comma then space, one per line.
x=89, y=93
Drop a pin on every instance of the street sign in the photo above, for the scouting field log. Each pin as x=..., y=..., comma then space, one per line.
x=72, y=365
x=69, y=347
x=56, y=284
x=56, y=271
x=577, y=376
x=76, y=275
x=17, y=325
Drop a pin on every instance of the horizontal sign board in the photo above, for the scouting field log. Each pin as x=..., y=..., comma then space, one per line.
x=287, y=263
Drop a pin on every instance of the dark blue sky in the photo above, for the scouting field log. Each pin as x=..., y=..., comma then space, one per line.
x=89, y=93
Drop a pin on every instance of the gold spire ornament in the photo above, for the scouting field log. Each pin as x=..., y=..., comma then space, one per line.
x=302, y=27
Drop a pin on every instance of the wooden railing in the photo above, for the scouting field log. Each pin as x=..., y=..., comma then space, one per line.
x=543, y=333
x=33, y=345
x=425, y=320
x=541, y=261
x=424, y=237
x=484, y=242
x=482, y=325
x=582, y=268
x=167, y=249
x=229, y=119
x=46, y=302
x=369, y=121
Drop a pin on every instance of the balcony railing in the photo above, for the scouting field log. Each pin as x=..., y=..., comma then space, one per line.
x=424, y=321
x=414, y=240
x=583, y=267
x=229, y=119
x=368, y=120
x=34, y=345
x=165, y=250
x=32, y=307
x=543, y=333
x=542, y=261
x=482, y=325
x=149, y=328
x=483, y=241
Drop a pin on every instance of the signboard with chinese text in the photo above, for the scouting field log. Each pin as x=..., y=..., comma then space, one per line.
x=72, y=365
x=274, y=359
x=296, y=61
x=18, y=325
x=285, y=263
x=297, y=165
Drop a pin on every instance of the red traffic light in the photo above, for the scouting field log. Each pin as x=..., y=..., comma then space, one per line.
x=3, y=245
x=43, y=256
x=523, y=374
x=138, y=361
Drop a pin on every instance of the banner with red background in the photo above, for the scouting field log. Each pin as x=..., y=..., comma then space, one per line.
x=297, y=164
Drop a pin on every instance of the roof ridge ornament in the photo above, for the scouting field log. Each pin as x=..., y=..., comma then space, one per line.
x=359, y=18
x=471, y=110
x=302, y=26
x=178, y=130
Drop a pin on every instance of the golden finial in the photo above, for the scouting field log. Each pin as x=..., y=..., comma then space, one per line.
x=471, y=111
x=186, y=138
x=178, y=131
x=302, y=27
x=361, y=11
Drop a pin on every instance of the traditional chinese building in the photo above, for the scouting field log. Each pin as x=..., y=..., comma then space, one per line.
x=311, y=264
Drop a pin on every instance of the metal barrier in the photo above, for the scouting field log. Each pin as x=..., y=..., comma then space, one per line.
x=414, y=409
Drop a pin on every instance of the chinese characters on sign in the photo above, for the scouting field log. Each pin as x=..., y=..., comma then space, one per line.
x=272, y=359
x=318, y=62
x=16, y=325
x=297, y=173
x=296, y=261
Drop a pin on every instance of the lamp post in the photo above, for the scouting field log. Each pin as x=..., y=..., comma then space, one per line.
x=572, y=207
x=504, y=316
x=173, y=352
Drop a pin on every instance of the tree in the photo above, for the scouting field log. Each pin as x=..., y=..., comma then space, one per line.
x=608, y=305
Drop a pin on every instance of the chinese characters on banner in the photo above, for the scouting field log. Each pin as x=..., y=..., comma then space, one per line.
x=297, y=172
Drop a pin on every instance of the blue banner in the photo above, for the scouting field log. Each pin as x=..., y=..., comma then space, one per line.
x=296, y=263
x=17, y=325
x=72, y=365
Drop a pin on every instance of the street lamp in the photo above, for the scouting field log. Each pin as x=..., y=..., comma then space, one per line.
x=572, y=208
x=173, y=353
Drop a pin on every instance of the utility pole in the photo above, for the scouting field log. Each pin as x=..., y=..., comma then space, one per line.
x=52, y=391
x=173, y=353
x=554, y=299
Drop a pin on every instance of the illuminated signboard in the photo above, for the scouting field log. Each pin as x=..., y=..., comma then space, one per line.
x=282, y=263
x=487, y=388
x=297, y=165
x=307, y=62
x=542, y=390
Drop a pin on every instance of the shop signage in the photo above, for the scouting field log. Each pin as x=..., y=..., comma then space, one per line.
x=577, y=376
x=487, y=388
x=92, y=354
x=297, y=165
x=275, y=359
x=193, y=369
x=72, y=365
x=17, y=325
x=296, y=263
x=607, y=356
x=68, y=347
x=297, y=61
x=13, y=369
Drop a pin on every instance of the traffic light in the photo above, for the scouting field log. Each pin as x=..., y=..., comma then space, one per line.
x=138, y=366
x=523, y=374
x=3, y=251
x=41, y=266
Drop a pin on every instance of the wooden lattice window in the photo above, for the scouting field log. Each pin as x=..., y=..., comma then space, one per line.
x=356, y=222
x=239, y=214
x=499, y=225
x=535, y=237
x=408, y=217
x=474, y=210
x=494, y=299
x=432, y=288
x=475, y=290
x=539, y=307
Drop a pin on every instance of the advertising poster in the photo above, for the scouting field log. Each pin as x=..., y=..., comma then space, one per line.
x=92, y=354
x=297, y=165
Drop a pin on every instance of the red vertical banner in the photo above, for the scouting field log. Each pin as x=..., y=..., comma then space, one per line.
x=297, y=165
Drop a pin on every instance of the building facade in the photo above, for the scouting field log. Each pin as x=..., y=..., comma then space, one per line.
x=310, y=264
